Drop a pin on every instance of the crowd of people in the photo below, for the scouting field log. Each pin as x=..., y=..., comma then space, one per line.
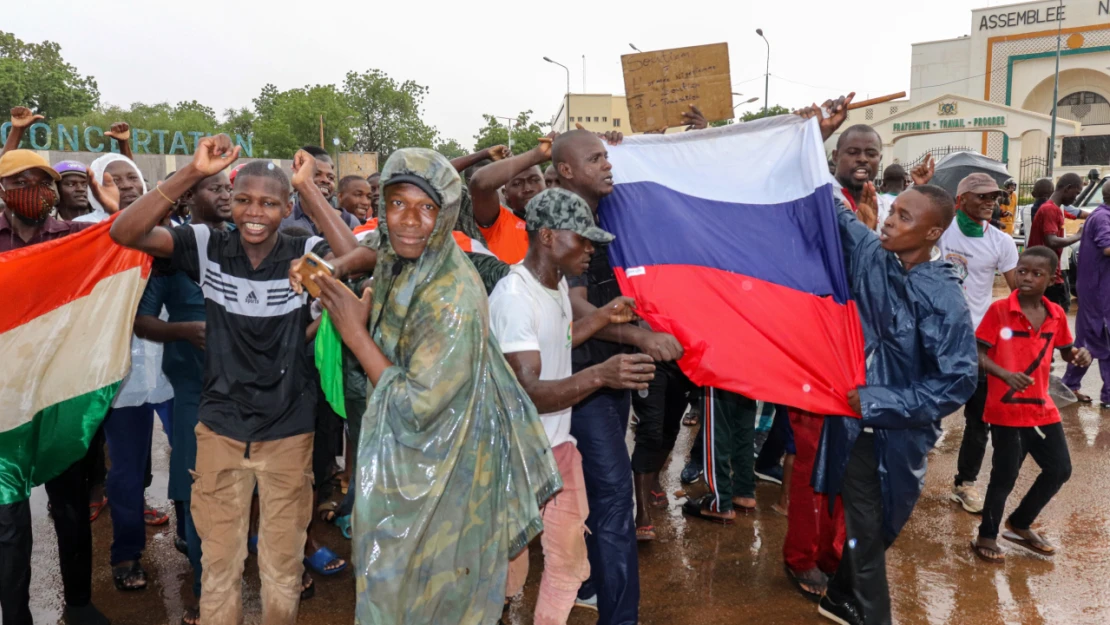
x=491, y=366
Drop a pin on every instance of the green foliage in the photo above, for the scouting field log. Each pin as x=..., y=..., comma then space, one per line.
x=451, y=149
x=387, y=113
x=760, y=113
x=35, y=75
x=526, y=133
x=285, y=121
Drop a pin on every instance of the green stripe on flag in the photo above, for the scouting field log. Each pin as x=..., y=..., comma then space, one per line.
x=55, y=438
x=329, y=362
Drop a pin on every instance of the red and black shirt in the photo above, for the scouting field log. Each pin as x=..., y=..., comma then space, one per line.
x=1015, y=345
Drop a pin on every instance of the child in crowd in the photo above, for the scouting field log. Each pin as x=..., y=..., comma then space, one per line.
x=1015, y=341
x=256, y=416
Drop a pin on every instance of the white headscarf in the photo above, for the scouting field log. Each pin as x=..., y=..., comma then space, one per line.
x=98, y=167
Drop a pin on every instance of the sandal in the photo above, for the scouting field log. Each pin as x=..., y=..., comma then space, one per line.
x=323, y=558
x=690, y=419
x=252, y=544
x=658, y=500
x=1081, y=398
x=344, y=525
x=129, y=578
x=191, y=616
x=645, y=534
x=699, y=508
x=95, y=508
x=307, y=591
x=813, y=578
x=1033, y=543
x=326, y=511
x=154, y=517
x=988, y=554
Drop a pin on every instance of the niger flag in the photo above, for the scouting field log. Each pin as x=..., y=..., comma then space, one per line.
x=65, y=345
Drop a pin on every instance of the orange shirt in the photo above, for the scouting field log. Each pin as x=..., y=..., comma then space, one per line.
x=507, y=238
x=464, y=242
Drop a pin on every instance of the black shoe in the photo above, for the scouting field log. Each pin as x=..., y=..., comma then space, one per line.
x=842, y=613
x=85, y=615
x=690, y=473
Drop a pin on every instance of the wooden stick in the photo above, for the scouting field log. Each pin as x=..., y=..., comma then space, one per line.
x=879, y=100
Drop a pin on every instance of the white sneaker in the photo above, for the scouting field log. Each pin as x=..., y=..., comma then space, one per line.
x=966, y=495
x=589, y=603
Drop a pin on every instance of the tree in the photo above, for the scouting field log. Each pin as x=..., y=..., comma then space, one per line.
x=35, y=75
x=288, y=120
x=526, y=133
x=451, y=149
x=760, y=113
x=239, y=122
x=386, y=113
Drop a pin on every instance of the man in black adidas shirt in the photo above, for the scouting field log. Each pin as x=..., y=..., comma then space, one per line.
x=257, y=406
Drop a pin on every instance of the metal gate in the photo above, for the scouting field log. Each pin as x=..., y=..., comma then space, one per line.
x=1031, y=170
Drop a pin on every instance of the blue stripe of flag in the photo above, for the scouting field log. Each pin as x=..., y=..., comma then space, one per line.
x=794, y=244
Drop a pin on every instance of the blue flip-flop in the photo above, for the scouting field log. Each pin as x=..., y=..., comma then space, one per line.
x=344, y=525
x=252, y=544
x=321, y=559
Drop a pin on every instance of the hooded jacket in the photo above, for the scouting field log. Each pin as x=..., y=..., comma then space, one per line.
x=98, y=167
x=453, y=461
x=922, y=363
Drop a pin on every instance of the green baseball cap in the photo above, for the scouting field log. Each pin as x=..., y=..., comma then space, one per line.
x=559, y=209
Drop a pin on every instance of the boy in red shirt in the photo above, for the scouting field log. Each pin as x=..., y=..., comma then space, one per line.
x=1015, y=341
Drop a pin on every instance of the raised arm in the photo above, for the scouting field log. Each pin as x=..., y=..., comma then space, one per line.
x=121, y=132
x=339, y=236
x=486, y=182
x=22, y=118
x=496, y=153
x=138, y=227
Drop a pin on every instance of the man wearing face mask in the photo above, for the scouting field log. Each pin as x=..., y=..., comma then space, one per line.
x=28, y=186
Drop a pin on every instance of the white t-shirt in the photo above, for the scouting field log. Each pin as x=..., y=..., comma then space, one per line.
x=976, y=259
x=526, y=316
x=886, y=201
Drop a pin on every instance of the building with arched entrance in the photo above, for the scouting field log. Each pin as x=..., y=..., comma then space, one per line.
x=999, y=81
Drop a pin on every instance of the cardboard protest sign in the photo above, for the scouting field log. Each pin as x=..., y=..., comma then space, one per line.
x=661, y=85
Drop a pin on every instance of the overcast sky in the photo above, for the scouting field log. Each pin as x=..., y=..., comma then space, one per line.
x=479, y=56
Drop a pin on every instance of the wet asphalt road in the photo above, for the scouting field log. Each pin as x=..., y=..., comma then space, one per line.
x=701, y=573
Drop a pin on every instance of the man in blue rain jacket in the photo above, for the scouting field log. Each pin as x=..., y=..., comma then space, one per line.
x=921, y=366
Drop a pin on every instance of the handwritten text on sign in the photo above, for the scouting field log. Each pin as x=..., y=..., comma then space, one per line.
x=661, y=85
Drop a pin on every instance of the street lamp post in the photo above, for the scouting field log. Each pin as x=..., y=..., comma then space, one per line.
x=568, y=87
x=748, y=101
x=1055, y=100
x=766, y=76
x=509, y=125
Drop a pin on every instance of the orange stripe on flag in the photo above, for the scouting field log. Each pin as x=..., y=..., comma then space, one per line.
x=40, y=278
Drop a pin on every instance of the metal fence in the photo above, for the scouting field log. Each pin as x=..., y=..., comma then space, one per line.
x=938, y=153
x=1031, y=169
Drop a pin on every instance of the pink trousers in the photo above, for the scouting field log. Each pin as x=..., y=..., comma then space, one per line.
x=565, y=566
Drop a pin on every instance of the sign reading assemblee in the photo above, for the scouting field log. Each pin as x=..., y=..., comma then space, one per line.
x=40, y=136
x=1028, y=17
x=951, y=124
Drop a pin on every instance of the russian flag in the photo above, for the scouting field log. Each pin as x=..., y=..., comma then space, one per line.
x=727, y=238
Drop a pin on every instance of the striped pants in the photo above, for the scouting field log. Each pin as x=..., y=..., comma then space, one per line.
x=729, y=447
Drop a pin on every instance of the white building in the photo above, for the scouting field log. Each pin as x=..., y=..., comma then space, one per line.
x=991, y=91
